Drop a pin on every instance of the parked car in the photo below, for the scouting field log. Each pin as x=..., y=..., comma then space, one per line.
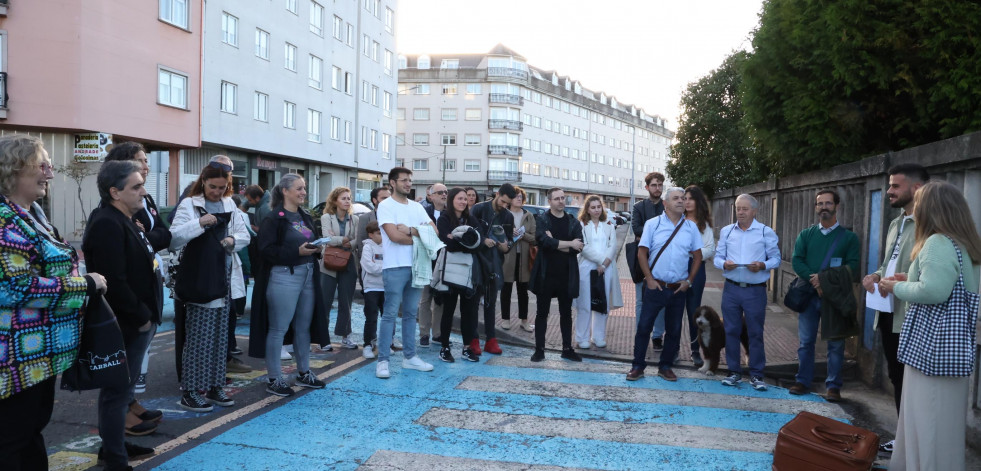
x=318, y=210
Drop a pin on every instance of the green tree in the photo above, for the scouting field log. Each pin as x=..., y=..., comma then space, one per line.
x=831, y=82
x=714, y=148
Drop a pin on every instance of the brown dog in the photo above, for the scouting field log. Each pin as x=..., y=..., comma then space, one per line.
x=712, y=338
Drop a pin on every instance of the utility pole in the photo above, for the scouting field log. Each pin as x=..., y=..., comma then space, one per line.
x=633, y=167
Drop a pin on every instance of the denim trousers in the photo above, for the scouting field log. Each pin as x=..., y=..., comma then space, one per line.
x=289, y=298
x=114, y=404
x=429, y=316
x=658, y=330
x=398, y=292
x=343, y=285
x=807, y=330
x=744, y=305
x=672, y=305
x=693, y=299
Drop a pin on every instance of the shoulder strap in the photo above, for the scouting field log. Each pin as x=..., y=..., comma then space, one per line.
x=834, y=243
x=659, y=252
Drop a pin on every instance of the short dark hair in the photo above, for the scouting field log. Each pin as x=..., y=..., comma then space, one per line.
x=915, y=172
x=114, y=174
x=833, y=193
x=393, y=175
x=372, y=227
x=374, y=192
x=507, y=189
x=652, y=176
x=254, y=191
x=548, y=194
x=125, y=151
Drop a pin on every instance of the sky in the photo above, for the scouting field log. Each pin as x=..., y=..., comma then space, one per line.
x=643, y=52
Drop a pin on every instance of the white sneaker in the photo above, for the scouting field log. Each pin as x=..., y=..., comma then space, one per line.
x=599, y=343
x=584, y=345
x=347, y=343
x=526, y=326
x=368, y=352
x=416, y=363
x=289, y=348
x=284, y=355
x=381, y=370
x=506, y=324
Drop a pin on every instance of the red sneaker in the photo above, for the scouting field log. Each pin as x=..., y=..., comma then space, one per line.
x=491, y=346
x=475, y=346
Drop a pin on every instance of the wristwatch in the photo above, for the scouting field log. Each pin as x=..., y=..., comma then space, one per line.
x=686, y=282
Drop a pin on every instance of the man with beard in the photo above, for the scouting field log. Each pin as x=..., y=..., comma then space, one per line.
x=821, y=247
x=904, y=181
x=494, y=215
x=644, y=210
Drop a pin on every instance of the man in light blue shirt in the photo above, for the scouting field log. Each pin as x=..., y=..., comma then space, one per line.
x=746, y=253
x=664, y=250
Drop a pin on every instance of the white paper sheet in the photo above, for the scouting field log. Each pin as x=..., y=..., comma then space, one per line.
x=876, y=301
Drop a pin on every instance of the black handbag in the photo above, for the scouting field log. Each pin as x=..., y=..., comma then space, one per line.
x=636, y=273
x=597, y=292
x=201, y=268
x=801, y=292
x=101, y=361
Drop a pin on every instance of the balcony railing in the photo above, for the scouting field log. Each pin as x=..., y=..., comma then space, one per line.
x=3, y=89
x=507, y=99
x=504, y=150
x=503, y=176
x=507, y=72
x=505, y=124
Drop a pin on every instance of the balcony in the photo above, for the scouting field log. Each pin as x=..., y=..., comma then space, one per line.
x=504, y=150
x=506, y=98
x=505, y=124
x=508, y=72
x=510, y=176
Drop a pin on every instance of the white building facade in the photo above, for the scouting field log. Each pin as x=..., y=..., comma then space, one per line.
x=497, y=119
x=299, y=86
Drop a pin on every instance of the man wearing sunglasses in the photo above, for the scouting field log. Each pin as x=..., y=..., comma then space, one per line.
x=429, y=317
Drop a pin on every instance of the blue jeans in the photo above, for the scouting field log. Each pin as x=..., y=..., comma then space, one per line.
x=655, y=302
x=693, y=299
x=744, y=305
x=807, y=328
x=290, y=297
x=399, y=290
x=658, y=321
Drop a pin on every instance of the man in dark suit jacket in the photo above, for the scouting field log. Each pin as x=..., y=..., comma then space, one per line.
x=115, y=247
x=491, y=214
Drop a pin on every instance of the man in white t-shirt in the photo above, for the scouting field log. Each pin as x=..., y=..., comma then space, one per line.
x=399, y=217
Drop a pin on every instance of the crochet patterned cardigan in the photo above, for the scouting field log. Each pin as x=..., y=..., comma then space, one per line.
x=41, y=302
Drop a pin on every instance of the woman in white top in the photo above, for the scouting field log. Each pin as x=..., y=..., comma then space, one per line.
x=697, y=210
x=598, y=253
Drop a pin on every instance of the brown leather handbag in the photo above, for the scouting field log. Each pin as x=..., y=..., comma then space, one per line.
x=336, y=258
x=810, y=442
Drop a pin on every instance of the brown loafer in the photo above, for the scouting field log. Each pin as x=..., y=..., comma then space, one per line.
x=797, y=389
x=667, y=374
x=833, y=395
x=635, y=374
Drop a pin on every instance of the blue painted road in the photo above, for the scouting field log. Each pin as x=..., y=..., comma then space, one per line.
x=509, y=410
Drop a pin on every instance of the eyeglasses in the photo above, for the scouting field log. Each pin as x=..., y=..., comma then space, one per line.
x=220, y=166
x=46, y=167
x=825, y=203
x=441, y=192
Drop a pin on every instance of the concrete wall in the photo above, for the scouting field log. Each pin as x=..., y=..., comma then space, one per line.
x=787, y=205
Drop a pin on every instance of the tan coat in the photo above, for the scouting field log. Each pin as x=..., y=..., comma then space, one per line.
x=522, y=248
x=331, y=228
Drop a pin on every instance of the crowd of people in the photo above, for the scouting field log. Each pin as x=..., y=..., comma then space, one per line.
x=422, y=261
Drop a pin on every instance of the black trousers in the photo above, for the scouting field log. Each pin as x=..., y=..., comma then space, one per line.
x=468, y=316
x=890, y=346
x=544, y=302
x=24, y=415
x=522, y=296
x=373, y=302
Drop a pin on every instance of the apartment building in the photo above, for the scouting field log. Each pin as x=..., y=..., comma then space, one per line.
x=104, y=71
x=485, y=119
x=299, y=86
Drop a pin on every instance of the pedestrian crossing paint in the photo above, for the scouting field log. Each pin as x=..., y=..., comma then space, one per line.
x=450, y=412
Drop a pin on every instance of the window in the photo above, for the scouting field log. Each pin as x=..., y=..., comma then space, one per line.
x=174, y=12
x=422, y=62
x=171, y=88
x=374, y=50
x=473, y=89
x=387, y=105
x=335, y=124
x=338, y=28
x=388, y=62
x=289, y=60
x=422, y=89
x=348, y=83
x=472, y=114
x=229, y=29
x=347, y=132
x=291, y=6
x=261, y=44
x=289, y=115
x=373, y=139
x=364, y=136
x=336, y=77
x=448, y=114
x=471, y=165
x=260, y=107
x=447, y=139
x=420, y=139
x=449, y=165
x=450, y=64
x=229, y=91
x=316, y=19
x=349, y=39
x=386, y=146
x=420, y=114
x=366, y=45
x=316, y=71
x=374, y=8
x=420, y=164
x=374, y=95
x=449, y=89
x=313, y=125
x=364, y=91
x=389, y=20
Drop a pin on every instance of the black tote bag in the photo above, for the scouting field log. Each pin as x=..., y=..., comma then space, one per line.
x=201, y=270
x=636, y=273
x=597, y=292
x=101, y=361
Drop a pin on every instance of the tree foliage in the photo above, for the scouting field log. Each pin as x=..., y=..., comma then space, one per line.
x=714, y=148
x=830, y=82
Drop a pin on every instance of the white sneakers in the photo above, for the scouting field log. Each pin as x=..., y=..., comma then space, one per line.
x=381, y=370
x=526, y=326
x=506, y=324
x=347, y=343
x=599, y=343
x=285, y=355
x=416, y=363
x=584, y=345
x=368, y=352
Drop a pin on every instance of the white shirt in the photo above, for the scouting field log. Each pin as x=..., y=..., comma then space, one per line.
x=673, y=264
x=392, y=212
x=827, y=230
